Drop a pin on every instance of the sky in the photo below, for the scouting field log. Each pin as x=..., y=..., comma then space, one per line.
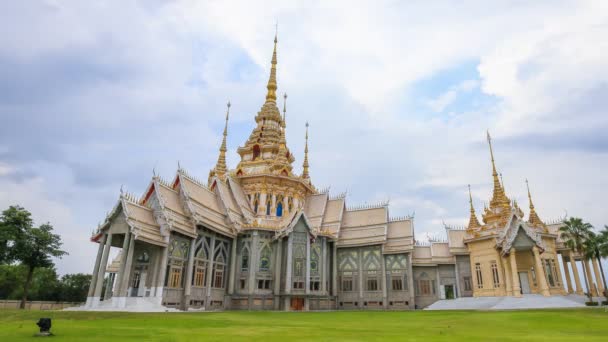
x=95, y=95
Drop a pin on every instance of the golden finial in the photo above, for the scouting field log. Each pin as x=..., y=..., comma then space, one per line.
x=284, y=109
x=529, y=196
x=473, y=222
x=305, y=165
x=272, y=81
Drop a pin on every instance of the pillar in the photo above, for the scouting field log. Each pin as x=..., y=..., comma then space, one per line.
x=102, y=268
x=577, y=278
x=324, y=267
x=334, y=270
x=598, y=277
x=210, y=271
x=124, y=286
x=540, y=273
x=592, y=289
x=96, y=270
x=567, y=275
x=410, y=279
x=154, y=261
x=188, y=285
x=288, y=282
x=514, y=275
x=383, y=282
x=307, y=279
x=560, y=277
x=108, y=293
x=508, y=277
x=457, y=273
x=232, y=266
x=277, y=274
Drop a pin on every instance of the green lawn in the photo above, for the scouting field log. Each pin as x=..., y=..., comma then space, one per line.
x=536, y=325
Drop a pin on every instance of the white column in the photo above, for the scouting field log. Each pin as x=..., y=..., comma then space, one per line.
x=324, y=266
x=124, y=286
x=457, y=272
x=102, y=270
x=288, y=282
x=95, y=271
x=334, y=276
x=508, y=276
x=567, y=275
x=514, y=274
x=540, y=273
x=307, y=280
x=210, y=271
x=232, y=266
x=384, y=282
x=188, y=285
x=577, y=279
x=410, y=271
x=277, y=268
x=253, y=261
x=162, y=274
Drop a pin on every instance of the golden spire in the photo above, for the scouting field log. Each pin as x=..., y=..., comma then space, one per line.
x=533, y=219
x=272, y=81
x=284, y=123
x=473, y=222
x=305, y=174
x=498, y=197
x=220, y=168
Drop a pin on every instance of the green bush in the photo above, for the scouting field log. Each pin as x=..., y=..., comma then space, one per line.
x=591, y=303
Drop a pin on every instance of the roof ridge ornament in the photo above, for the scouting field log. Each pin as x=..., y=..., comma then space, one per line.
x=473, y=222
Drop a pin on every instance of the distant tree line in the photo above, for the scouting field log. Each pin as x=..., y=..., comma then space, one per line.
x=26, y=261
x=46, y=284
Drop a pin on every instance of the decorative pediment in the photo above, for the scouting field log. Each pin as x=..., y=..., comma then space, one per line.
x=518, y=234
x=300, y=221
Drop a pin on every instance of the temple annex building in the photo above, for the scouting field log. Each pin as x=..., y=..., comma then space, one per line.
x=261, y=237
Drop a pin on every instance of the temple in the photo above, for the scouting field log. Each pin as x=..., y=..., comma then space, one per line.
x=261, y=237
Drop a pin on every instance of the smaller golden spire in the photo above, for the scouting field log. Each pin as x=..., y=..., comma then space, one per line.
x=533, y=218
x=499, y=198
x=221, y=168
x=284, y=123
x=305, y=165
x=473, y=222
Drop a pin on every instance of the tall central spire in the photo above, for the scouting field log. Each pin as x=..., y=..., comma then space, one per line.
x=499, y=198
x=272, y=81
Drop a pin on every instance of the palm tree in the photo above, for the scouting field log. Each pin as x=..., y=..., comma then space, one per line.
x=592, y=250
x=574, y=233
x=603, y=253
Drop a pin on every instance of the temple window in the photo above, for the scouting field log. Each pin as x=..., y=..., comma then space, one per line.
x=200, y=266
x=347, y=284
x=533, y=273
x=245, y=260
x=256, y=204
x=264, y=284
x=256, y=152
x=280, y=209
x=396, y=269
x=268, y=206
x=495, y=276
x=314, y=285
x=479, y=276
x=372, y=285
x=219, y=265
x=265, y=259
x=178, y=251
x=290, y=204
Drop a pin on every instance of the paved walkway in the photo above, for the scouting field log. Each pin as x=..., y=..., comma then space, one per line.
x=529, y=301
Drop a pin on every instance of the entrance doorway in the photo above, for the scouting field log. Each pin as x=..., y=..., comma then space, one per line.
x=524, y=283
x=449, y=291
x=297, y=304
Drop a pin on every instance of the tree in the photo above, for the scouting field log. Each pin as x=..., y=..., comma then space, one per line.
x=74, y=287
x=14, y=221
x=34, y=248
x=592, y=250
x=575, y=232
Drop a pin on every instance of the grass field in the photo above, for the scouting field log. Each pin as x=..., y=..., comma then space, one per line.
x=534, y=325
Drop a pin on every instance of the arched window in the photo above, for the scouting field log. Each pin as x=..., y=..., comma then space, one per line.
x=290, y=204
x=265, y=259
x=256, y=152
x=280, y=209
x=268, y=205
x=256, y=204
x=245, y=260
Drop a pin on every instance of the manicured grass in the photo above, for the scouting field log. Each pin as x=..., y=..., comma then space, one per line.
x=534, y=325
